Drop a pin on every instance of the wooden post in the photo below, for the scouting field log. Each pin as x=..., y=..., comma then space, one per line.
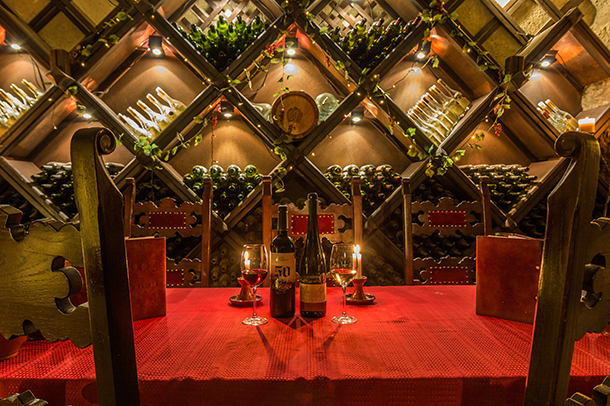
x=60, y=59
x=206, y=230
x=130, y=200
x=267, y=217
x=357, y=218
x=408, y=229
x=485, y=196
x=100, y=205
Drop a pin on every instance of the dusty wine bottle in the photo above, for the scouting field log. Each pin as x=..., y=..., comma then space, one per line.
x=312, y=269
x=283, y=270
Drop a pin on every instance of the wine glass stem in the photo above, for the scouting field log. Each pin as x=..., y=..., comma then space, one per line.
x=344, y=300
x=254, y=301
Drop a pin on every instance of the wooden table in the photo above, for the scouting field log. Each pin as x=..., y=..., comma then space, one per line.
x=417, y=345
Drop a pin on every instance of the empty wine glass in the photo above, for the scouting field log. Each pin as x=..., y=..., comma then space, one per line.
x=343, y=268
x=254, y=271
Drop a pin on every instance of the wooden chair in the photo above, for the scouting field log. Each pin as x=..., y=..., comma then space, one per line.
x=35, y=283
x=445, y=218
x=337, y=223
x=166, y=220
x=576, y=253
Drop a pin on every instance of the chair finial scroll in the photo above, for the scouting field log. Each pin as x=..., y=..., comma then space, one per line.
x=100, y=205
x=567, y=249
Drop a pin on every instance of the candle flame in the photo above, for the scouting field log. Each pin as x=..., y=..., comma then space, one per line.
x=246, y=260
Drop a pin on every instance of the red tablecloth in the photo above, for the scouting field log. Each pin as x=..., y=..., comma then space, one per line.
x=419, y=345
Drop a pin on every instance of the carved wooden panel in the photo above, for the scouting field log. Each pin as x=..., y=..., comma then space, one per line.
x=34, y=282
x=166, y=219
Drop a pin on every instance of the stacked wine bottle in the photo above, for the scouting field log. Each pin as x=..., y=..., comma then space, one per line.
x=157, y=120
x=368, y=46
x=13, y=107
x=438, y=111
x=534, y=223
x=154, y=190
x=222, y=43
x=224, y=263
x=56, y=183
x=378, y=271
x=229, y=188
x=377, y=183
x=508, y=184
x=250, y=228
x=11, y=197
x=561, y=120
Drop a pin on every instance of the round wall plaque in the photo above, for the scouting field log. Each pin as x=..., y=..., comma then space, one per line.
x=295, y=114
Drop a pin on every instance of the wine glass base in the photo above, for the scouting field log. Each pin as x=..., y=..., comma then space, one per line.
x=344, y=319
x=255, y=321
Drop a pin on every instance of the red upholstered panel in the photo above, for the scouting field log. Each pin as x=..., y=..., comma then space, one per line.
x=326, y=223
x=175, y=277
x=448, y=275
x=447, y=218
x=167, y=220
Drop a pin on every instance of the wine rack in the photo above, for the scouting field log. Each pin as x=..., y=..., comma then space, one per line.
x=108, y=78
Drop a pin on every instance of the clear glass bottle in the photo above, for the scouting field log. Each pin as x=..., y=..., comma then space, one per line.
x=15, y=103
x=144, y=122
x=312, y=269
x=462, y=101
x=431, y=132
x=163, y=109
x=176, y=105
x=449, y=103
x=161, y=120
x=135, y=127
x=425, y=107
x=32, y=88
x=439, y=108
x=570, y=122
x=430, y=119
x=25, y=98
x=557, y=122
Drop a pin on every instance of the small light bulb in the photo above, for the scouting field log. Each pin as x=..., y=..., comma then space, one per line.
x=156, y=51
x=228, y=115
x=291, y=51
x=421, y=55
x=356, y=119
x=544, y=64
x=16, y=46
x=87, y=116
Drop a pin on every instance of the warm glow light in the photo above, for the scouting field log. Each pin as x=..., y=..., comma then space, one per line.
x=291, y=68
x=228, y=115
x=586, y=125
x=156, y=51
x=291, y=51
x=544, y=64
x=358, y=257
x=356, y=119
x=421, y=55
x=246, y=260
x=16, y=46
x=87, y=116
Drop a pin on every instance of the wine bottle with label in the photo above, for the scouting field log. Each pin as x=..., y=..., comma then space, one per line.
x=283, y=269
x=312, y=268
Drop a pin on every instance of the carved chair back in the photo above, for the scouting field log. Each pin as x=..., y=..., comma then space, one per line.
x=168, y=219
x=575, y=255
x=35, y=283
x=445, y=218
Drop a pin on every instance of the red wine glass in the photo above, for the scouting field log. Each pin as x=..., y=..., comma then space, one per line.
x=254, y=271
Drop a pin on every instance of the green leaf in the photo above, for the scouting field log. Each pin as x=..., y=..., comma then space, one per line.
x=432, y=4
x=179, y=137
x=500, y=112
x=166, y=157
x=80, y=109
x=477, y=147
x=346, y=75
x=280, y=49
x=430, y=172
x=278, y=141
x=427, y=33
x=430, y=149
x=103, y=40
x=472, y=44
x=284, y=62
x=453, y=33
x=441, y=171
x=113, y=39
x=288, y=77
x=411, y=131
x=480, y=136
x=412, y=152
x=121, y=15
x=435, y=62
x=507, y=78
x=198, y=119
x=483, y=67
x=323, y=30
x=453, y=15
x=280, y=80
x=276, y=94
x=459, y=152
x=275, y=60
x=285, y=90
x=281, y=171
x=236, y=82
x=198, y=139
x=421, y=155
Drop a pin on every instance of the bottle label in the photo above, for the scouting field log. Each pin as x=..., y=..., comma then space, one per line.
x=283, y=271
x=313, y=293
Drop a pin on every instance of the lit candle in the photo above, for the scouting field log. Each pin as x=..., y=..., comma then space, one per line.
x=246, y=261
x=586, y=125
x=358, y=257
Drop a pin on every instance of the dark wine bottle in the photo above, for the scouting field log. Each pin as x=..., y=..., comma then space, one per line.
x=312, y=269
x=283, y=270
